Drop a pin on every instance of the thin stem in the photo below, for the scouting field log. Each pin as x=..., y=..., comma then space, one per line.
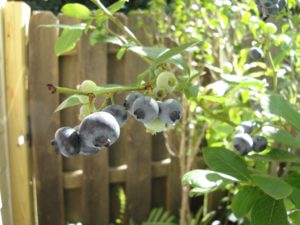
x=117, y=22
x=275, y=79
x=100, y=91
x=205, y=204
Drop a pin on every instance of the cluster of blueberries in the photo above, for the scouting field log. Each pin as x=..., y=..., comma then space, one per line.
x=102, y=129
x=270, y=7
x=244, y=143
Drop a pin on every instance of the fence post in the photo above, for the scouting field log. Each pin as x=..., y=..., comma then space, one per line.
x=43, y=65
x=16, y=20
x=5, y=187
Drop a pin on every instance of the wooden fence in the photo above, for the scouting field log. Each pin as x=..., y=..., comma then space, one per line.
x=85, y=188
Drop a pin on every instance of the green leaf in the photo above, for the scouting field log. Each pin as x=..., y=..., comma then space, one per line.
x=244, y=200
x=81, y=26
x=295, y=197
x=277, y=155
x=69, y=102
x=99, y=36
x=273, y=186
x=204, y=181
x=67, y=41
x=225, y=161
x=285, y=138
x=153, y=53
x=76, y=10
x=295, y=217
x=172, y=54
x=268, y=211
x=117, y=6
x=121, y=53
x=281, y=107
x=293, y=179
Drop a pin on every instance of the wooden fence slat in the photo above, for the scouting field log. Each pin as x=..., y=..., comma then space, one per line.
x=6, y=216
x=69, y=76
x=115, y=69
x=93, y=66
x=138, y=147
x=43, y=65
x=158, y=188
x=16, y=20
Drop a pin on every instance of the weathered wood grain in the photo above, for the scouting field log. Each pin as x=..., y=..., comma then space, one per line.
x=43, y=65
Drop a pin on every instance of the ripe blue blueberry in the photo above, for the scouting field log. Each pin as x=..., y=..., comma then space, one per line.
x=66, y=141
x=260, y=143
x=129, y=100
x=145, y=109
x=119, y=112
x=99, y=130
x=243, y=143
x=170, y=111
x=86, y=150
x=256, y=53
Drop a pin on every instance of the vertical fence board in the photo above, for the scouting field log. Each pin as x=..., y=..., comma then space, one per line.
x=117, y=152
x=138, y=148
x=16, y=19
x=5, y=187
x=158, y=188
x=43, y=65
x=69, y=76
x=93, y=66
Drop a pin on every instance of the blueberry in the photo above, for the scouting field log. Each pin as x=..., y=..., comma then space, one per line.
x=243, y=143
x=256, y=53
x=129, y=100
x=170, y=111
x=245, y=127
x=281, y=4
x=66, y=141
x=259, y=143
x=145, y=109
x=86, y=150
x=119, y=112
x=99, y=130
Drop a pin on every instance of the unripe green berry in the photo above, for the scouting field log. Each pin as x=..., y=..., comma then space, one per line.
x=167, y=81
x=88, y=86
x=155, y=126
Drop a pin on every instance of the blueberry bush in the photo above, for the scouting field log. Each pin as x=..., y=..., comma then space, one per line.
x=222, y=79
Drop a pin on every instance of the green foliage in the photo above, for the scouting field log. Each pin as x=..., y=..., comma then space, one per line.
x=224, y=161
x=244, y=200
x=206, y=44
x=76, y=10
x=268, y=211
